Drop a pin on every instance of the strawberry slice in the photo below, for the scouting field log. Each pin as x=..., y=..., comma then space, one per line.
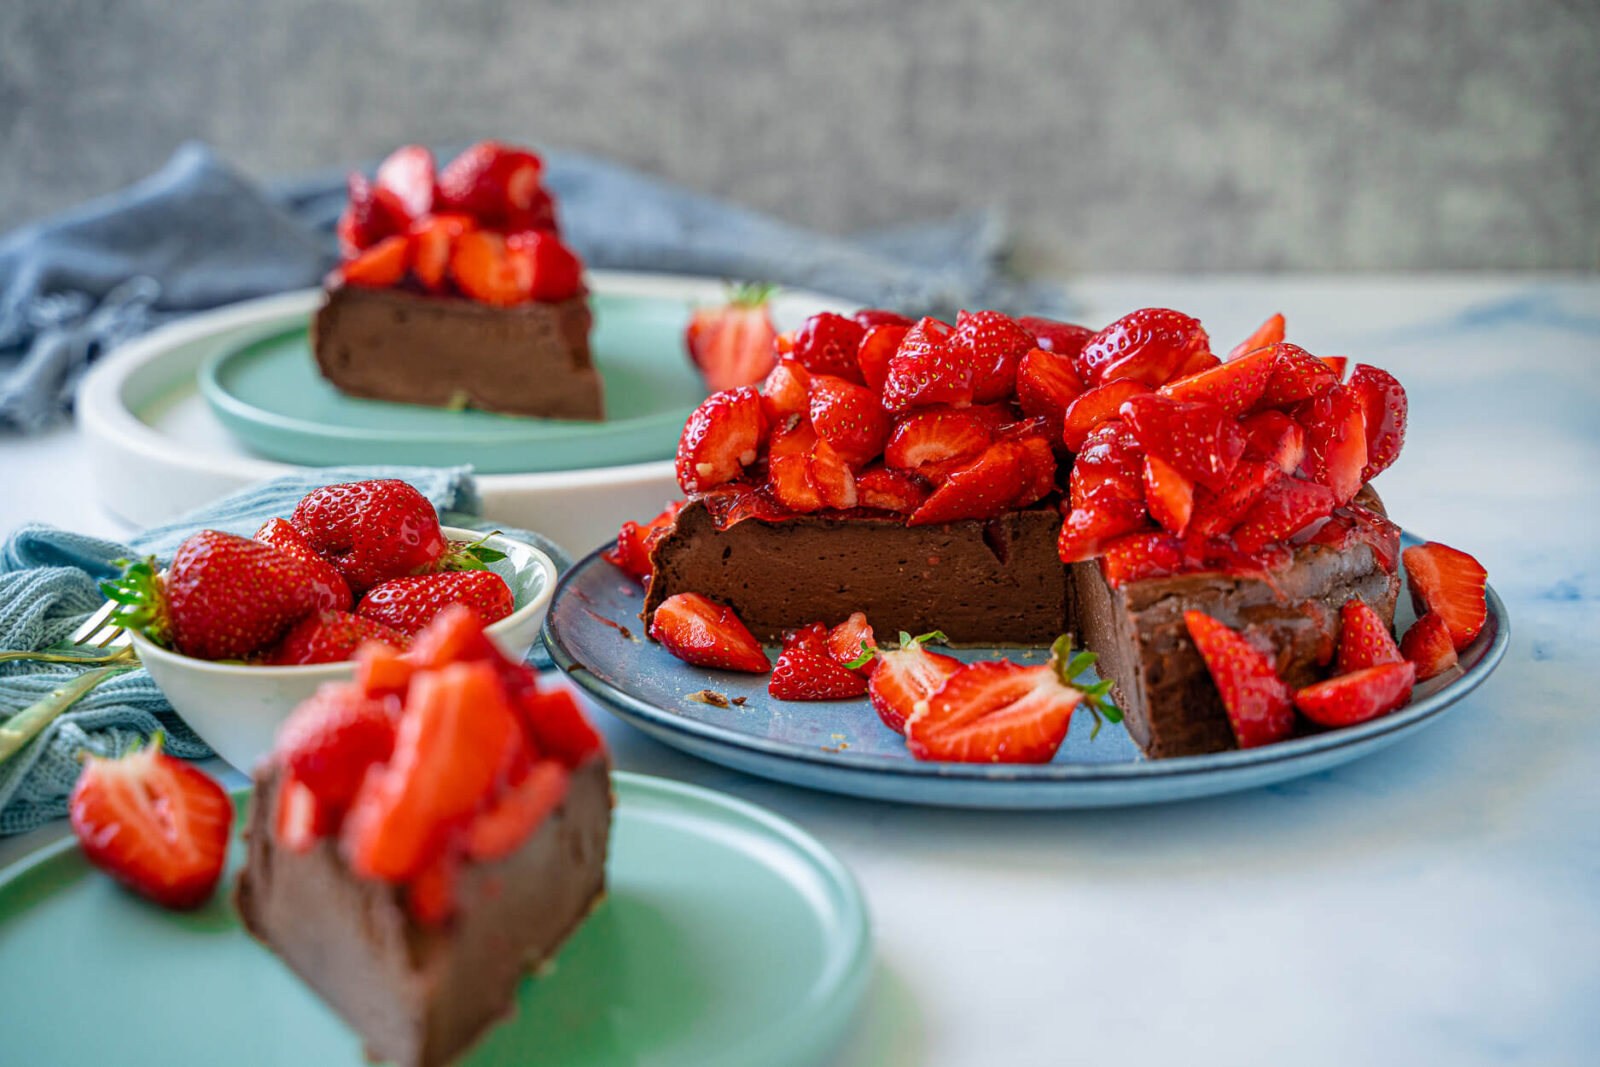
x=707, y=634
x=1094, y=407
x=1137, y=556
x=786, y=391
x=901, y=677
x=1336, y=441
x=827, y=344
x=834, y=481
x=332, y=591
x=499, y=829
x=878, y=347
x=380, y=266
x=635, y=542
x=720, y=439
x=1275, y=437
x=496, y=184
x=807, y=670
x=332, y=637
x=1428, y=645
x=560, y=729
x=1450, y=584
x=552, y=270
x=328, y=742
x=1364, y=641
x=1169, y=495
x=433, y=242
x=1047, y=385
x=1148, y=346
x=1296, y=376
x=1358, y=696
x=1038, y=475
x=880, y=487
x=1257, y=701
x=382, y=670
x=408, y=173
x=872, y=317
x=1267, y=334
x=1111, y=456
x=486, y=273
x=1101, y=519
x=370, y=214
x=994, y=345
x=1337, y=363
x=1217, y=513
x=1383, y=408
x=733, y=344
x=933, y=441
x=154, y=823
x=981, y=489
x=1197, y=438
x=1283, y=509
x=1003, y=712
x=928, y=369
x=1235, y=386
x=848, y=417
x=1064, y=339
x=852, y=641
x=789, y=475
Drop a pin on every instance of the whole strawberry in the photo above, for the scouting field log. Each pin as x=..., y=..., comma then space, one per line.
x=333, y=592
x=332, y=637
x=408, y=604
x=372, y=530
x=223, y=597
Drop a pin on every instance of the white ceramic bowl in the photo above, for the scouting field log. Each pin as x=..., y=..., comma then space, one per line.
x=236, y=708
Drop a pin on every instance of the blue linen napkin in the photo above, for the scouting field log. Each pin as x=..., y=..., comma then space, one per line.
x=197, y=234
x=49, y=583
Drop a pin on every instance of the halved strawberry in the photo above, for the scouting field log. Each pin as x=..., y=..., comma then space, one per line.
x=980, y=489
x=1358, y=696
x=1094, y=407
x=560, y=729
x=332, y=591
x=331, y=637
x=722, y=437
x=789, y=476
x=495, y=183
x=328, y=742
x=1336, y=441
x=1364, y=641
x=1168, y=493
x=1275, y=437
x=807, y=670
x=1136, y=556
x=933, y=441
x=486, y=273
x=848, y=417
x=786, y=391
x=1283, y=509
x=1383, y=408
x=156, y=824
x=1268, y=333
x=827, y=344
x=835, y=482
x=877, y=348
x=1449, y=583
x=928, y=369
x=380, y=266
x=1337, y=364
x=1104, y=517
x=1197, y=438
x=791, y=437
x=1148, y=346
x=1111, y=456
x=1217, y=513
x=1046, y=385
x=1003, y=712
x=880, y=487
x=408, y=173
x=707, y=634
x=552, y=269
x=995, y=345
x=851, y=641
x=634, y=542
x=1064, y=339
x=500, y=828
x=1235, y=386
x=901, y=677
x=1257, y=701
x=733, y=344
x=370, y=214
x=873, y=317
x=1297, y=375
x=432, y=243
x=1037, y=478
x=1428, y=644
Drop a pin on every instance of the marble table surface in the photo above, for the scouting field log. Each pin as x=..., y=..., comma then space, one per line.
x=1438, y=902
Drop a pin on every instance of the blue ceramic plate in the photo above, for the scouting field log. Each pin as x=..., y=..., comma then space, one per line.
x=270, y=395
x=841, y=746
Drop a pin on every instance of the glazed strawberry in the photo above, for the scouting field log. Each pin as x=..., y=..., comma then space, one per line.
x=933, y=441
x=369, y=215
x=1296, y=376
x=1273, y=436
x=1197, y=438
x=328, y=742
x=1148, y=346
x=1235, y=386
x=1336, y=364
x=928, y=369
x=1136, y=556
x=410, y=602
x=493, y=182
x=1336, y=441
x=807, y=670
x=433, y=242
x=1284, y=508
x=1064, y=339
x=887, y=490
x=1450, y=584
x=408, y=173
x=1364, y=640
x=980, y=489
x=848, y=417
x=1103, y=518
x=870, y=318
x=485, y=272
x=903, y=676
x=720, y=439
x=380, y=266
x=546, y=268
x=372, y=530
x=1428, y=645
x=332, y=591
x=1094, y=407
x=995, y=345
x=827, y=343
x=1383, y=409
x=1258, y=703
x=1217, y=513
x=733, y=345
x=851, y=641
x=154, y=823
x=499, y=829
x=1046, y=385
x=1267, y=334
x=877, y=349
x=635, y=542
x=1111, y=456
x=1168, y=493
x=332, y=637
x=560, y=729
x=1357, y=697
x=832, y=477
x=707, y=634
x=786, y=391
x=1002, y=712
x=223, y=597
x=789, y=476
x=1037, y=478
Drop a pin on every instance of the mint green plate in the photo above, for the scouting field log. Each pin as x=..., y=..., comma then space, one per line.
x=270, y=396
x=729, y=937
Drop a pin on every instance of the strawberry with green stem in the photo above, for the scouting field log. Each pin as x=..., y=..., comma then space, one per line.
x=735, y=344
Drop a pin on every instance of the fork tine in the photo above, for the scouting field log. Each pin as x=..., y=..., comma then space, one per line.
x=94, y=624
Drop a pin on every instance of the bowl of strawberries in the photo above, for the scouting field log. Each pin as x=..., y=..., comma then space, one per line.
x=238, y=631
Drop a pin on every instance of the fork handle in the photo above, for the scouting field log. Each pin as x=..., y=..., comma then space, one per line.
x=126, y=652
x=26, y=724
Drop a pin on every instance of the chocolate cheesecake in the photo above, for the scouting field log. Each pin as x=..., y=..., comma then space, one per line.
x=446, y=351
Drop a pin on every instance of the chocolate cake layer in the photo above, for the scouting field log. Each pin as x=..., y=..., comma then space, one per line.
x=418, y=996
x=1171, y=704
x=392, y=344
x=982, y=583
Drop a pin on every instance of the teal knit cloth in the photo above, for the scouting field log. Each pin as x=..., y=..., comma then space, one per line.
x=49, y=584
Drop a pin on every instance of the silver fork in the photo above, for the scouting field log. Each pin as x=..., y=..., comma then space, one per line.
x=116, y=657
x=112, y=637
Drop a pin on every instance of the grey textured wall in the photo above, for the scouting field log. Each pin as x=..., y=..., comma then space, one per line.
x=1227, y=134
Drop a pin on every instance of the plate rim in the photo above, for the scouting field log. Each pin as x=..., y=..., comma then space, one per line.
x=1035, y=774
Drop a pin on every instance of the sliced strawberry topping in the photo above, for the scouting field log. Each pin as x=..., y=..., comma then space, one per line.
x=1197, y=438
x=1100, y=520
x=879, y=487
x=330, y=740
x=1428, y=645
x=1217, y=513
x=789, y=476
x=851, y=640
x=807, y=670
x=1148, y=346
x=1336, y=364
x=1094, y=407
x=873, y=317
x=1038, y=476
x=379, y=266
x=1111, y=456
x=787, y=391
x=902, y=677
x=1257, y=701
x=486, y=273
x=1450, y=584
x=1336, y=441
x=980, y=489
x=877, y=349
x=635, y=542
x=1046, y=385
x=1168, y=493
x=370, y=214
x=995, y=345
x=928, y=369
x=1137, y=556
x=1284, y=508
x=834, y=481
x=382, y=670
x=1297, y=376
x=496, y=184
x=1383, y=408
x=1275, y=437
x=560, y=729
x=1359, y=696
x=552, y=270
x=849, y=418
x=827, y=344
x=408, y=173
x=1268, y=333
x=933, y=441
x=433, y=242
x=499, y=829
x=733, y=345
x=301, y=820
x=721, y=438
x=707, y=634
x=1235, y=386
x=1364, y=640
x=1064, y=339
